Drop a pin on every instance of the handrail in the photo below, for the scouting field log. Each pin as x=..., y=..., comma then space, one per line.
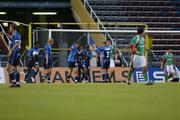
x=100, y=24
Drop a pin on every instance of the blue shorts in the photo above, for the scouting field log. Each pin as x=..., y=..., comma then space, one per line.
x=14, y=58
x=86, y=63
x=48, y=65
x=105, y=64
x=32, y=63
x=80, y=65
x=72, y=64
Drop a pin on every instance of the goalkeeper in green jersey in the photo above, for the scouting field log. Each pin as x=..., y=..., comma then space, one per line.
x=168, y=65
x=138, y=59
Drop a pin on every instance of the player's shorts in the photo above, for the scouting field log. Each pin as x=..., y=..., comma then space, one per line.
x=169, y=69
x=112, y=63
x=105, y=64
x=79, y=65
x=85, y=63
x=14, y=58
x=71, y=64
x=32, y=63
x=138, y=61
x=48, y=65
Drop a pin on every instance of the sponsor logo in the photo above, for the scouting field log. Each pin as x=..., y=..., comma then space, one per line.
x=159, y=76
x=60, y=75
x=139, y=76
x=154, y=74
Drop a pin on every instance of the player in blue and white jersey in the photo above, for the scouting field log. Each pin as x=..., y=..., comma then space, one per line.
x=105, y=52
x=14, y=55
x=33, y=62
x=86, y=57
x=47, y=56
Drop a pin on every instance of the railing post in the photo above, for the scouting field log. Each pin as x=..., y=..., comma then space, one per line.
x=85, y=3
x=98, y=24
x=50, y=34
x=91, y=13
x=105, y=36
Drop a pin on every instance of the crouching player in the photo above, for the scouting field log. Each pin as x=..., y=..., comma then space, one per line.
x=33, y=62
x=14, y=55
x=86, y=57
x=105, y=57
x=168, y=65
x=72, y=60
x=138, y=59
x=47, y=60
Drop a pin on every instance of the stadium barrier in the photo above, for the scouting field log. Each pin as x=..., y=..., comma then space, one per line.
x=59, y=75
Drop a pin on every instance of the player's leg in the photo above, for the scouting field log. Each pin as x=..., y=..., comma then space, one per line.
x=80, y=71
x=35, y=71
x=29, y=68
x=10, y=72
x=167, y=73
x=9, y=68
x=107, y=74
x=47, y=74
x=171, y=73
x=131, y=69
x=85, y=74
x=27, y=73
x=43, y=76
x=16, y=73
x=49, y=70
x=103, y=73
x=144, y=70
x=70, y=71
x=76, y=74
x=145, y=74
x=69, y=74
x=105, y=68
x=15, y=77
x=88, y=74
x=111, y=74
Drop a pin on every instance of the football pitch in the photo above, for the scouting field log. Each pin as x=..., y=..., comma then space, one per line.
x=90, y=102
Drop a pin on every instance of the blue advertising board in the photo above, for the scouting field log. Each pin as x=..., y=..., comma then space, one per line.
x=154, y=73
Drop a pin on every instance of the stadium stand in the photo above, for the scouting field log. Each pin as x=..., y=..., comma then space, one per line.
x=162, y=13
x=157, y=14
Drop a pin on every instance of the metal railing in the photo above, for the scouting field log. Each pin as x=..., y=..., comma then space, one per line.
x=99, y=23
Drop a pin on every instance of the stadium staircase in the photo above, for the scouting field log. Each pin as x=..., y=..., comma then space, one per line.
x=157, y=14
x=81, y=15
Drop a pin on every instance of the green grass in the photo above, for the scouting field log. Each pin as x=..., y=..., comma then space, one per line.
x=90, y=102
